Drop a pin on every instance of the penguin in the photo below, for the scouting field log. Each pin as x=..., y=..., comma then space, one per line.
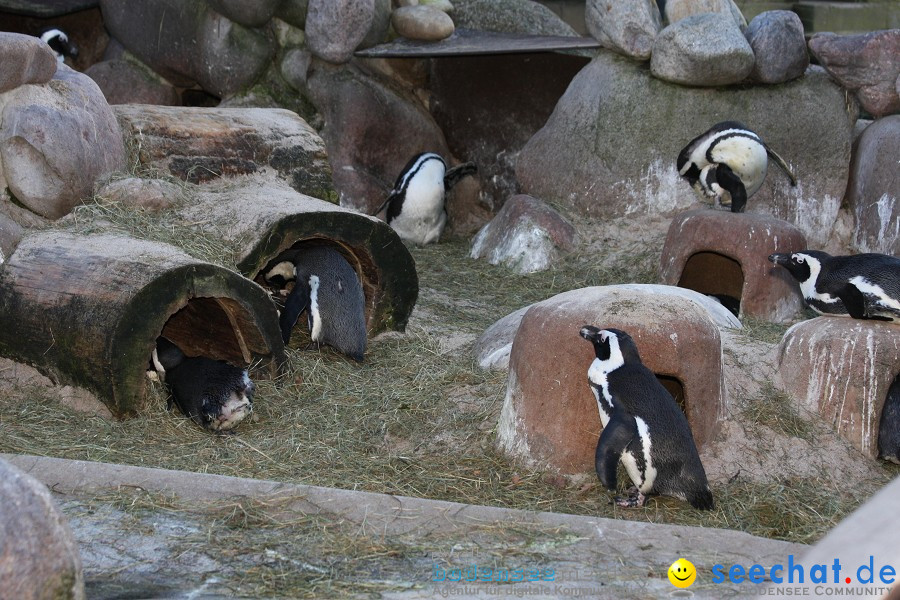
x=889, y=426
x=728, y=162
x=214, y=394
x=862, y=286
x=642, y=426
x=330, y=292
x=415, y=207
x=59, y=42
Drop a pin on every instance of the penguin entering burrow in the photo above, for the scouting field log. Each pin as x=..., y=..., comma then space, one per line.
x=214, y=394
x=415, y=207
x=642, y=426
x=330, y=292
x=59, y=42
x=863, y=286
x=889, y=426
x=728, y=162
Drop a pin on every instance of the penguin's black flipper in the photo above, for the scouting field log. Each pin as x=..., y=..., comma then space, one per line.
x=780, y=162
x=453, y=175
x=297, y=301
x=616, y=436
x=728, y=180
x=854, y=301
x=386, y=203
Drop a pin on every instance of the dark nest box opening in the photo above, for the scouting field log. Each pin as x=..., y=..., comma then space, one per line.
x=715, y=275
x=674, y=386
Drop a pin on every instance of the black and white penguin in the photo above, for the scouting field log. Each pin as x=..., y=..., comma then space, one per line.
x=863, y=286
x=330, y=292
x=642, y=426
x=728, y=162
x=415, y=207
x=215, y=394
x=59, y=42
x=889, y=426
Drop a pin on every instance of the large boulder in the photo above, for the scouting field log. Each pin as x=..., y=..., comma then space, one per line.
x=249, y=13
x=549, y=418
x=188, y=43
x=509, y=16
x=26, y=59
x=677, y=10
x=626, y=26
x=874, y=189
x=372, y=128
x=702, y=50
x=38, y=554
x=865, y=63
x=779, y=45
x=56, y=139
x=334, y=28
x=609, y=148
x=124, y=81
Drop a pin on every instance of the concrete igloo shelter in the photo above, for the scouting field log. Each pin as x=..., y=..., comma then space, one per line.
x=722, y=253
x=549, y=418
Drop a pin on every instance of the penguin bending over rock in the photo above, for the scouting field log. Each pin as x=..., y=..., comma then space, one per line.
x=889, y=426
x=863, y=286
x=60, y=44
x=330, y=292
x=214, y=394
x=415, y=207
x=642, y=426
x=728, y=162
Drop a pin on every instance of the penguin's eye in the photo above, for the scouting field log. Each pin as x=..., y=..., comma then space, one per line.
x=800, y=260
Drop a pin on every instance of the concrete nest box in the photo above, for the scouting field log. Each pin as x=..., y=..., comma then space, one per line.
x=726, y=255
x=842, y=369
x=550, y=419
x=86, y=310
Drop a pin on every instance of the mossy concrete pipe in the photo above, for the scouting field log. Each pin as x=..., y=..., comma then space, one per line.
x=87, y=310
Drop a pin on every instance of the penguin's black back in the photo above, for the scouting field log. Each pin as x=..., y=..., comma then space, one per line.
x=685, y=154
x=880, y=269
x=889, y=425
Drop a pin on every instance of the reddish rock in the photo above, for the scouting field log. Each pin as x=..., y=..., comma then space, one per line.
x=124, y=82
x=841, y=369
x=873, y=192
x=549, y=419
x=26, y=59
x=334, y=28
x=719, y=252
x=866, y=63
x=148, y=194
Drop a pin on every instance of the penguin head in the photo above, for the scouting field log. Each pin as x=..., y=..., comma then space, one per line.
x=612, y=346
x=225, y=407
x=279, y=275
x=59, y=42
x=801, y=265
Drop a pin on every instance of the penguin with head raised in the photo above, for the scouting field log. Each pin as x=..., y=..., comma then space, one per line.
x=415, y=207
x=642, y=426
x=889, y=425
x=214, y=394
x=728, y=162
x=862, y=286
x=328, y=289
x=59, y=42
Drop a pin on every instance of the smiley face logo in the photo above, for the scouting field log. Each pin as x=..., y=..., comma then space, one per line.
x=682, y=573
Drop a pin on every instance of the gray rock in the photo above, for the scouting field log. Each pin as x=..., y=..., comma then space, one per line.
x=422, y=23
x=381, y=25
x=295, y=67
x=508, y=16
x=776, y=37
x=677, y=10
x=148, y=194
x=46, y=8
x=126, y=82
x=859, y=127
x=188, y=43
x=38, y=553
x=526, y=235
x=494, y=345
x=26, y=59
x=721, y=316
x=626, y=26
x=335, y=28
x=250, y=13
x=10, y=235
x=56, y=139
x=866, y=64
x=874, y=189
x=293, y=12
x=609, y=149
x=371, y=130
x=702, y=50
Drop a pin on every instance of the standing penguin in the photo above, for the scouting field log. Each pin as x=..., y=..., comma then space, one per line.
x=59, y=43
x=216, y=395
x=728, y=162
x=889, y=427
x=330, y=292
x=415, y=207
x=863, y=286
x=642, y=426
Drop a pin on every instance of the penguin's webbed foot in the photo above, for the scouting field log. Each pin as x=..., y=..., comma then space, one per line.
x=634, y=499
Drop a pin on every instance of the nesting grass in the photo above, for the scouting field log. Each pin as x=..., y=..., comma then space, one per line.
x=774, y=409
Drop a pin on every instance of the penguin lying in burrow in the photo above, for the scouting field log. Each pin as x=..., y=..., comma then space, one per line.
x=215, y=394
x=328, y=289
x=415, y=207
x=728, y=162
x=643, y=427
x=732, y=304
x=889, y=426
x=59, y=42
x=862, y=286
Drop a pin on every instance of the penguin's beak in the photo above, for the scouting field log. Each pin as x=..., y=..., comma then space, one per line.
x=780, y=259
x=589, y=332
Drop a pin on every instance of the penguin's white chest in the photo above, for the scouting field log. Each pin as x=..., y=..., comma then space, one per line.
x=314, y=316
x=645, y=479
x=597, y=376
x=746, y=157
x=422, y=217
